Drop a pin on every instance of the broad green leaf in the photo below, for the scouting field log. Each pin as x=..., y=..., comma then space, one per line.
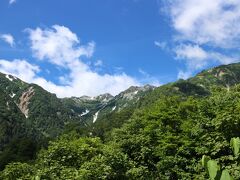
x=213, y=169
x=37, y=178
x=235, y=144
x=226, y=176
x=205, y=160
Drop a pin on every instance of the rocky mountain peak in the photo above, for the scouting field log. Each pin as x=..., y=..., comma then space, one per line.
x=104, y=97
x=84, y=98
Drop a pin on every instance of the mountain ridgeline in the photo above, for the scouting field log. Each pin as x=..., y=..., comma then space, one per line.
x=142, y=133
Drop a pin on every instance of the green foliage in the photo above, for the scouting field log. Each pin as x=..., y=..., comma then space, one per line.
x=17, y=171
x=71, y=153
x=74, y=158
x=213, y=169
x=104, y=125
x=215, y=172
x=205, y=160
x=226, y=176
x=165, y=140
x=18, y=150
x=235, y=144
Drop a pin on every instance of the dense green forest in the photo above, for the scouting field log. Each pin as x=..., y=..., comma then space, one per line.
x=182, y=130
x=166, y=140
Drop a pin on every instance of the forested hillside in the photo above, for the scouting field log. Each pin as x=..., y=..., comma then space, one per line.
x=183, y=130
x=31, y=115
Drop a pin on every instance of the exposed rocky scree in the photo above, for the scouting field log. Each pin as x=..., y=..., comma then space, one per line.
x=24, y=101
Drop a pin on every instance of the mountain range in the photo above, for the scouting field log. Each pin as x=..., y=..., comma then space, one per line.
x=27, y=111
x=28, y=106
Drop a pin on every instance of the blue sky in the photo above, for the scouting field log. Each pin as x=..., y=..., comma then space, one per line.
x=89, y=47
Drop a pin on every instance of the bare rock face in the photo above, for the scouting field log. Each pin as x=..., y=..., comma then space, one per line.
x=220, y=74
x=24, y=101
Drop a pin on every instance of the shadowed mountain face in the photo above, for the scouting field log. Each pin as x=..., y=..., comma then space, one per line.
x=11, y=120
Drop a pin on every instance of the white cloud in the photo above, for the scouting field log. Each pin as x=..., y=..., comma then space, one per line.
x=12, y=1
x=61, y=47
x=58, y=45
x=8, y=38
x=190, y=52
x=194, y=56
x=82, y=83
x=197, y=58
x=19, y=68
x=204, y=29
x=215, y=22
x=28, y=73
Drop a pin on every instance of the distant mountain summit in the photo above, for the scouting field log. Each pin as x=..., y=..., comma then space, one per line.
x=93, y=108
x=224, y=75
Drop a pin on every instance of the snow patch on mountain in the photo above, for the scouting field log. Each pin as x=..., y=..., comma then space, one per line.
x=114, y=108
x=95, y=117
x=9, y=78
x=8, y=107
x=85, y=113
x=12, y=95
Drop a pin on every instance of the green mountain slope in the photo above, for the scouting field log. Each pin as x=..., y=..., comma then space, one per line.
x=11, y=120
x=225, y=75
x=49, y=116
x=39, y=109
x=30, y=112
x=164, y=133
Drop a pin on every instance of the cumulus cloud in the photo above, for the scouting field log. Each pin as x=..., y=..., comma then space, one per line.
x=88, y=83
x=28, y=73
x=197, y=58
x=8, y=38
x=58, y=45
x=61, y=47
x=19, y=68
x=215, y=22
x=194, y=56
x=207, y=25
